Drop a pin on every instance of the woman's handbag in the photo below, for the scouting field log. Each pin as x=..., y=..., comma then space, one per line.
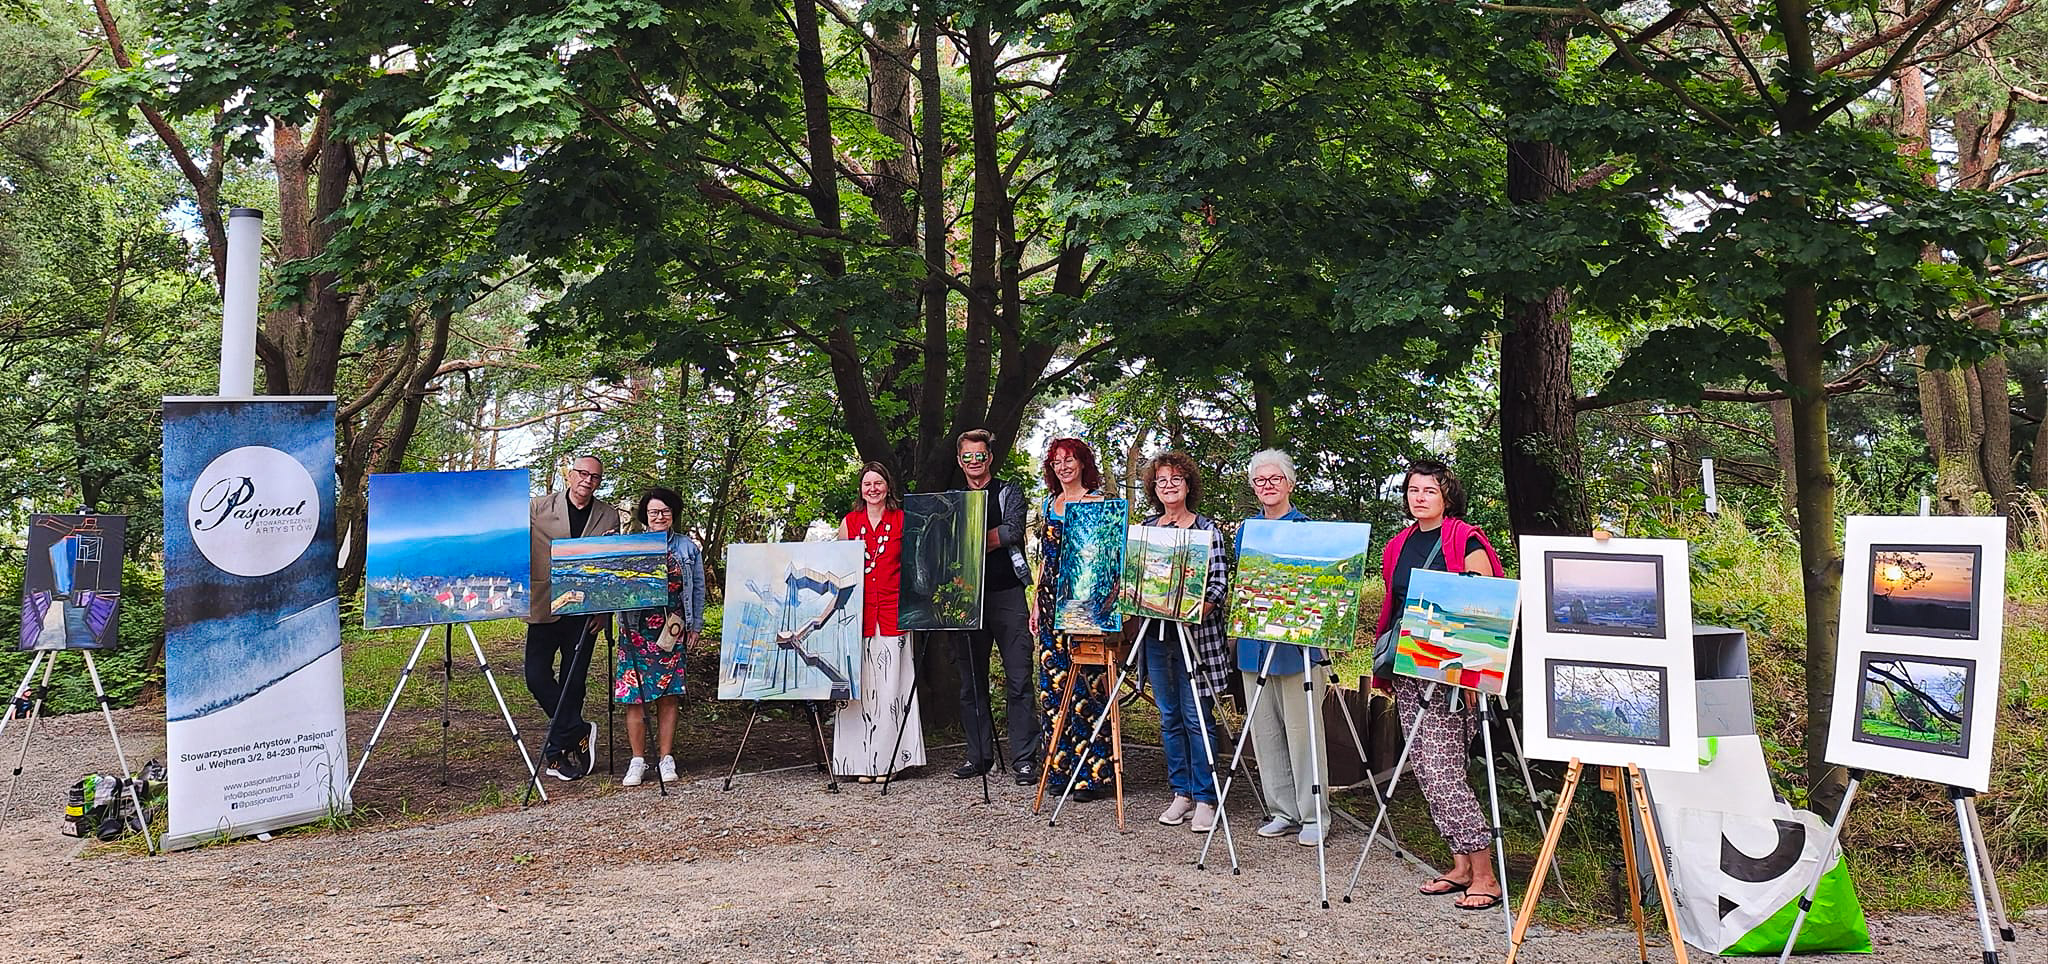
x=672, y=633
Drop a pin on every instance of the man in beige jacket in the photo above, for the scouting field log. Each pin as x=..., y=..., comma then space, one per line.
x=551, y=640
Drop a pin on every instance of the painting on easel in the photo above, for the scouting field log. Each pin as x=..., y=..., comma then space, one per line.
x=1165, y=572
x=1091, y=560
x=71, y=588
x=792, y=622
x=1458, y=629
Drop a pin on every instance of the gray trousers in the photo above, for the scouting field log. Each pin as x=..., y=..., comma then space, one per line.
x=1288, y=764
x=1004, y=627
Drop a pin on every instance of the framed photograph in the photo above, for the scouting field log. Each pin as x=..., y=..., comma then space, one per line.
x=1604, y=594
x=1919, y=703
x=1925, y=590
x=1607, y=702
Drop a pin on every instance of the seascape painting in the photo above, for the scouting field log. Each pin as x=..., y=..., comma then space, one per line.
x=1458, y=629
x=608, y=574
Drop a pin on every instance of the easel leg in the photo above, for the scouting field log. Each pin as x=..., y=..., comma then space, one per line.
x=107, y=711
x=447, y=683
x=1991, y=888
x=1059, y=730
x=1613, y=781
x=1500, y=843
x=1641, y=792
x=510, y=726
x=1528, y=783
x=1195, y=671
x=1386, y=797
x=404, y=675
x=753, y=712
x=1316, y=778
x=1109, y=713
x=910, y=706
x=47, y=659
x=1960, y=796
x=1827, y=861
x=824, y=752
x=611, y=705
x=1551, y=837
x=1116, y=741
x=1251, y=705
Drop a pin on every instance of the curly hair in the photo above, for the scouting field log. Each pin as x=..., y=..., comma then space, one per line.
x=1182, y=465
x=1091, y=477
x=1454, y=490
x=668, y=497
x=895, y=498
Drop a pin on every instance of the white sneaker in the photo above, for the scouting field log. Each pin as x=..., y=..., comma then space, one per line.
x=1278, y=827
x=1177, y=811
x=668, y=769
x=636, y=771
x=1204, y=819
x=1310, y=835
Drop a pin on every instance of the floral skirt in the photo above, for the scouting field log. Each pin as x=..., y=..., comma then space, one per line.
x=646, y=672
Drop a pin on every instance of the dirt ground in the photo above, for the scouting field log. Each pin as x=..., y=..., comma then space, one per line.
x=776, y=869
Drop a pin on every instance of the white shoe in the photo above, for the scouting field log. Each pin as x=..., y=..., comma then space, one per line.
x=1177, y=811
x=1310, y=835
x=668, y=769
x=1278, y=827
x=1204, y=819
x=636, y=771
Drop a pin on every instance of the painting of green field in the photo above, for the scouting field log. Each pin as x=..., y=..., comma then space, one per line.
x=1916, y=703
x=1300, y=582
x=1458, y=629
x=1165, y=571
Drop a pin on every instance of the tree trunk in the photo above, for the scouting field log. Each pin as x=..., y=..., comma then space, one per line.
x=936, y=469
x=1539, y=432
x=1820, y=561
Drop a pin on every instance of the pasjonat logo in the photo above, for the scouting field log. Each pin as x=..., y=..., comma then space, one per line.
x=254, y=511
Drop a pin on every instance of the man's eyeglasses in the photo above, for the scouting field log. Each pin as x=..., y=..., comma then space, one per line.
x=597, y=476
x=1269, y=481
x=974, y=458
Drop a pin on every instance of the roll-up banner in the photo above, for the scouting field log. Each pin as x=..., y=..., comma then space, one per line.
x=252, y=622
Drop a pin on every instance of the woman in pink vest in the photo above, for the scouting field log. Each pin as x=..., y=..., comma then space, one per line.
x=1440, y=539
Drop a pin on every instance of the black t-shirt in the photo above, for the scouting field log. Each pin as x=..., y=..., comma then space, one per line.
x=1413, y=553
x=998, y=571
x=578, y=518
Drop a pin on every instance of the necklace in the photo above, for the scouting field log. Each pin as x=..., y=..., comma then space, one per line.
x=873, y=552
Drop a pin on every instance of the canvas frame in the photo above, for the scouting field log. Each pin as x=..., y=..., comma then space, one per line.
x=1251, y=585
x=1091, y=565
x=966, y=558
x=510, y=492
x=101, y=543
x=1407, y=644
x=773, y=590
x=645, y=587
x=1187, y=580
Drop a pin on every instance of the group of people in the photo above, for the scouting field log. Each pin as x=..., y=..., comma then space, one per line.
x=880, y=735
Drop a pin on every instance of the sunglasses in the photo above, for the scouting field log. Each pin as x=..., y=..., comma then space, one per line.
x=974, y=458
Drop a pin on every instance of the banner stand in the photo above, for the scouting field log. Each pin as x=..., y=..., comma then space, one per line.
x=1984, y=892
x=47, y=660
x=447, y=678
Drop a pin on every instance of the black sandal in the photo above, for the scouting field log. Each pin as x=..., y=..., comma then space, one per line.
x=1492, y=901
x=1455, y=888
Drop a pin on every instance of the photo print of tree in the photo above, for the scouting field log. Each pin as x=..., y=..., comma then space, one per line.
x=945, y=542
x=1924, y=590
x=1916, y=703
x=1608, y=703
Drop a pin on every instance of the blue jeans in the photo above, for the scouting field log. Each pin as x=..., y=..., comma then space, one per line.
x=1188, y=768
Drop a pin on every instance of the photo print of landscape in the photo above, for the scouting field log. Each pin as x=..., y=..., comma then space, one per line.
x=447, y=547
x=1605, y=594
x=1299, y=582
x=1924, y=590
x=608, y=574
x=1458, y=629
x=1165, y=571
x=945, y=541
x=1608, y=702
x=1916, y=703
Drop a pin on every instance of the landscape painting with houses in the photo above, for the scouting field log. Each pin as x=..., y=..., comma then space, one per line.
x=1300, y=582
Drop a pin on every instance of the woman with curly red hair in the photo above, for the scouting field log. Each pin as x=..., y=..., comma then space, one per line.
x=1070, y=477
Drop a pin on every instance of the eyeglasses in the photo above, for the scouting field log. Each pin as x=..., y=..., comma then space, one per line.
x=596, y=476
x=974, y=458
x=660, y=514
x=1169, y=480
x=1269, y=481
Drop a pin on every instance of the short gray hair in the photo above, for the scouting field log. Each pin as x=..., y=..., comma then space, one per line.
x=1274, y=458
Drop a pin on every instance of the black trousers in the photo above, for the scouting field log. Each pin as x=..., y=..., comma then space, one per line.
x=1004, y=627
x=558, y=670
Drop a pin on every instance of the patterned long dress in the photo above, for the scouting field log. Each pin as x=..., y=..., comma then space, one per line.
x=1054, y=663
x=647, y=670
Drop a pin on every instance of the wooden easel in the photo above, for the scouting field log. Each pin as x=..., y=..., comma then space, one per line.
x=1628, y=791
x=1106, y=653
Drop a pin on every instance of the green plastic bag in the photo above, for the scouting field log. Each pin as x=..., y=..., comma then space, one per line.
x=1834, y=926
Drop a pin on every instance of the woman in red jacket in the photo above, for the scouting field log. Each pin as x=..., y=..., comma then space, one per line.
x=1440, y=539
x=865, y=730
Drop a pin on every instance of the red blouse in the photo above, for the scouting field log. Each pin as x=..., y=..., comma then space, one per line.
x=884, y=562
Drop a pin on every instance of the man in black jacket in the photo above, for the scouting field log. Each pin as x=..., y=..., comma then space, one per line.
x=1004, y=618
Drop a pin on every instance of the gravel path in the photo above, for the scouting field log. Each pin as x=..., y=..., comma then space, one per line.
x=777, y=869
